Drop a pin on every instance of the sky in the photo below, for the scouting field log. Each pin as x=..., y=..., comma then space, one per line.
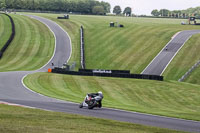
x=144, y=7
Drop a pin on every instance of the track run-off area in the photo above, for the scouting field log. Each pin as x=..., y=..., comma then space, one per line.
x=12, y=89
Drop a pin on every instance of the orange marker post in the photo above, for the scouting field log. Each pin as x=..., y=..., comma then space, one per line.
x=49, y=70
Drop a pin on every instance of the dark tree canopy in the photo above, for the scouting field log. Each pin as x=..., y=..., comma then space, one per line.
x=127, y=11
x=78, y=6
x=164, y=12
x=155, y=12
x=178, y=13
x=2, y=4
x=117, y=10
x=99, y=10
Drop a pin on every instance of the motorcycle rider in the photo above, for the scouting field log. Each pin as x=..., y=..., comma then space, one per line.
x=97, y=94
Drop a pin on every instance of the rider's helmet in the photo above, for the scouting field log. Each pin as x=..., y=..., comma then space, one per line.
x=100, y=92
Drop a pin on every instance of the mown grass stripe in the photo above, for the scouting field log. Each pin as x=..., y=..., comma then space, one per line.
x=31, y=48
x=12, y=52
x=20, y=52
x=2, y=29
x=122, y=50
x=104, y=47
x=107, y=47
x=5, y=29
x=120, y=47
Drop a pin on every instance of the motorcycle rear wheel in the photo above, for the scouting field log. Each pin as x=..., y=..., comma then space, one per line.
x=81, y=105
x=91, y=106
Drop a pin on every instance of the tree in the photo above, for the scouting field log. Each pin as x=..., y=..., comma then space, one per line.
x=106, y=6
x=155, y=12
x=2, y=4
x=78, y=6
x=98, y=10
x=164, y=12
x=127, y=11
x=117, y=10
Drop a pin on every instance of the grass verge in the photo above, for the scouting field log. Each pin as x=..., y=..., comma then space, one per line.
x=19, y=120
x=194, y=77
x=31, y=48
x=5, y=29
x=174, y=99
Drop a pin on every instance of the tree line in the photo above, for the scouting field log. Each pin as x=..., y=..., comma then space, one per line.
x=127, y=11
x=77, y=6
x=177, y=13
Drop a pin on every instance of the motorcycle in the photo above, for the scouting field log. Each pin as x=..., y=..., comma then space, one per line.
x=91, y=101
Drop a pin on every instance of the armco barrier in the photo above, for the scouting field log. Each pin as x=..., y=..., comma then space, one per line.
x=189, y=71
x=107, y=74
x=11, y=37
x=82, y=48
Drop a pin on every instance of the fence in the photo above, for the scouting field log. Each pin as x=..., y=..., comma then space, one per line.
x=11, y=36
x=107, y=73
x=189, y=71
x=82, y=48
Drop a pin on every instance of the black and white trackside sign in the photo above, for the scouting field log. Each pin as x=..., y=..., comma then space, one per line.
x=101, y=71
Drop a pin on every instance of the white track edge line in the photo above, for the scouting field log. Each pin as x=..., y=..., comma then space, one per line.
x=162, y=50
x=63, y=31
x=70, y=42
x=54, y=43
x=175, y=55
x=22, y=81
x=54, y=46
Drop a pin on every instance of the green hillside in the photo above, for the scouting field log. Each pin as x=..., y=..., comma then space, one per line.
x=31, y=48
x=130, y=48
x=170, y=98
x=5, y=29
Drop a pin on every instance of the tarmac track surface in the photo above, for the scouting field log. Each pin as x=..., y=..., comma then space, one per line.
x=13, y=91
x=166, y=55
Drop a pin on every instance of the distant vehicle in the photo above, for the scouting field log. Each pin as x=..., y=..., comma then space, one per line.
x=92, y=100
x=66, y=16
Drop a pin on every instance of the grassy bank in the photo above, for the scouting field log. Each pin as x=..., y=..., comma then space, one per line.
x=5, y=29
x=194, y=78
x=20, y=120
x=129, y=48
x=173, y=99
x=31, y=48
x=132, y=47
